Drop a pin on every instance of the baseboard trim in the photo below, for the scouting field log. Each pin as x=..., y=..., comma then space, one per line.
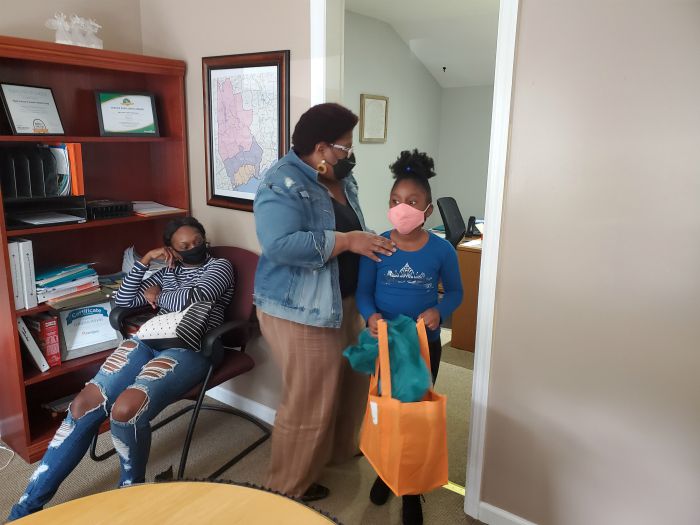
x=495, y=516
x=262, y=412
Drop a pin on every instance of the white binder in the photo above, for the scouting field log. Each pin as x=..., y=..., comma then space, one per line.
x=16, y=271
x=26, y=254
x=36, y=355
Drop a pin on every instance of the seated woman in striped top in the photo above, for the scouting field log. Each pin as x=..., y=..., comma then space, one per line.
x=136, y=382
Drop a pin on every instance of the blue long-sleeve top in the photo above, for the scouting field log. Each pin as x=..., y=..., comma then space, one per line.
x=215, y=280
x=407, y=282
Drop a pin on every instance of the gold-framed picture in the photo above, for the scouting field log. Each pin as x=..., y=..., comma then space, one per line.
x=374, y=112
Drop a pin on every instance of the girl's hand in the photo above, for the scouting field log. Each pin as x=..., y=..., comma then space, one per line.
x=165, y=252
x=431, y=317
x=151, y=294
x=372, y=324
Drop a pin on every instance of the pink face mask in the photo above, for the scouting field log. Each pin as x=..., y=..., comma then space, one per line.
x=406, y=218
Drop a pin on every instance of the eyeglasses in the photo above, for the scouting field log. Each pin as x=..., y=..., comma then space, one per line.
x=347, y=150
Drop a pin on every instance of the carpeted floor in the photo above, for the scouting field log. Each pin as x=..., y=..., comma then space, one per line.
x=220, y=436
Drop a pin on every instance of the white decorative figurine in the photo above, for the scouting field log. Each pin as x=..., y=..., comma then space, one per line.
x=91, y=39
x=59, y=23
x=78, y=32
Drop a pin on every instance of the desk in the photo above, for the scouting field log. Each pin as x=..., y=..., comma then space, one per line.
x=179, y=503
x=464, y=317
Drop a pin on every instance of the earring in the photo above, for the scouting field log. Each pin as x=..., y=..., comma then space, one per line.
x=322, y=168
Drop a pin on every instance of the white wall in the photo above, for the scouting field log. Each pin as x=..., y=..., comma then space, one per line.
x=594, y=402
x=120, y=20
x=463, y=157
x=378, y=62
x=191, y=30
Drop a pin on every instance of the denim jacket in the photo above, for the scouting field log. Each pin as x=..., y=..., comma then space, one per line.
x=296, y=279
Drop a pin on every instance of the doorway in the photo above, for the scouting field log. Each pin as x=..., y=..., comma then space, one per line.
x=334, y=75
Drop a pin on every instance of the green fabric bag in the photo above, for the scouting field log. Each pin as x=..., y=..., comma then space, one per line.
x=410, y=377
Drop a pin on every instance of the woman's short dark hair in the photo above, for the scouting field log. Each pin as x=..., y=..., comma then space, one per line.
x=178, y=223
x=415, y=166
x=322, y=123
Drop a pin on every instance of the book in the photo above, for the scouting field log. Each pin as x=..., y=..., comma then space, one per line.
x=67, y=280
x=46, y=276
x=60, y=153
x=44, y=329
x=16, y=271
x=151, y=208
x=83, y=298
x=26, y=254
x=30, y=344
x=59, y=407
x=46, y=294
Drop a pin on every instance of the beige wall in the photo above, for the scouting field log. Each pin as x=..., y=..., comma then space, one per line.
x=120, y=20
x=191, y=30
x=594, y=407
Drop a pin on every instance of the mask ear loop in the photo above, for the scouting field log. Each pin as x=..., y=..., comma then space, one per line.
x=12, y=456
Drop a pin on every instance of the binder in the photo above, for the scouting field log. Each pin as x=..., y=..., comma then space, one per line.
x=75, y=159
x=26, y=254
x=16, y=271
x=29, y=342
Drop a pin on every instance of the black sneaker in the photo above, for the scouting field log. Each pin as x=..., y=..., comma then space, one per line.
x=380, y=492
x=412, y=512
x=315, y=492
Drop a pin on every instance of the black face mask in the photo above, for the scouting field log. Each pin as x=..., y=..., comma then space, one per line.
x=343, y=167
x=196, y=255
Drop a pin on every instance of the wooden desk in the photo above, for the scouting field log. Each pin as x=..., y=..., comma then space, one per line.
x=180, y=503
x=464, y=317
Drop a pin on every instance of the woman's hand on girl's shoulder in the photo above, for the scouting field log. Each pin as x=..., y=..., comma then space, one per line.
x=369, y=244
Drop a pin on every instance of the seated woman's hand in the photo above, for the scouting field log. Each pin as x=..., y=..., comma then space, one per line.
x=164, y=252
x=370, y=244
x=151, y=295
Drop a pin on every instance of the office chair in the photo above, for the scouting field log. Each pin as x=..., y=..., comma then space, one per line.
x=452, y=219
x=226, y=362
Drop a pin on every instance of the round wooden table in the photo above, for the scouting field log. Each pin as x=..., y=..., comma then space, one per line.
x=185, y=502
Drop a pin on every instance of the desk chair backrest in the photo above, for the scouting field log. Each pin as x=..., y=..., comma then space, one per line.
x=244, y=263
x=452, y=219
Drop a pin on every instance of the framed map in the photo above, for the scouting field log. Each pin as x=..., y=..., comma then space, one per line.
x=246, y=123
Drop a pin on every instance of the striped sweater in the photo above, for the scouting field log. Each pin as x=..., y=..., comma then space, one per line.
x=215, y=280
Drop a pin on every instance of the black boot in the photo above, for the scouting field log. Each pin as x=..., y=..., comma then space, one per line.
x=379, y=493
x=412, y=512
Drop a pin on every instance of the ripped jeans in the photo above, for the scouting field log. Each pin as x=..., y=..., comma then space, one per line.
x=163, y=376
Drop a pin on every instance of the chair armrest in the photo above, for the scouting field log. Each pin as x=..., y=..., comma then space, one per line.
x=212, y=346
x=120, y=313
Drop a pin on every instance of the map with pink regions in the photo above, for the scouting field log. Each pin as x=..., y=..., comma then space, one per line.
x=245, y=136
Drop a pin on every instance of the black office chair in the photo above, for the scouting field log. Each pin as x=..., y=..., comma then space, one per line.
x=452, y=219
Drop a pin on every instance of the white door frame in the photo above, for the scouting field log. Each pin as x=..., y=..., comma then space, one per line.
x=498, y=155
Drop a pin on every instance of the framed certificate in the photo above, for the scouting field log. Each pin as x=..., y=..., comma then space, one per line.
x=126, y=114
x=86, y=330
x=31, y=110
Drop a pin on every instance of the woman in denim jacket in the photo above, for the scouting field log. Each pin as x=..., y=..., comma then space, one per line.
x=312, y=232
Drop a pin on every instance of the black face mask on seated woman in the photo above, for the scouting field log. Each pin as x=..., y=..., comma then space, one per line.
x=196, y=255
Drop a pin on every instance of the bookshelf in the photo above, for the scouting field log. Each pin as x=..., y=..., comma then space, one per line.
x=119, y=168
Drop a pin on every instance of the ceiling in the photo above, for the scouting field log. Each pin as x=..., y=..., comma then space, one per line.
x=457, y=34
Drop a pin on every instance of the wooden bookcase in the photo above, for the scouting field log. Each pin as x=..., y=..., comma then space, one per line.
x=114, y=168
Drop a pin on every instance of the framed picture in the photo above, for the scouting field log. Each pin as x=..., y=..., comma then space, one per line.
x=246, y=123
x=374, y=110
x=126, y=114
x=31, y=110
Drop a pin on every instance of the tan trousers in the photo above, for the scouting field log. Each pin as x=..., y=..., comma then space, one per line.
x=323, y=399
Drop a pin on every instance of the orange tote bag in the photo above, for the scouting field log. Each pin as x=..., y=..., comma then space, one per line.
x=406, y=443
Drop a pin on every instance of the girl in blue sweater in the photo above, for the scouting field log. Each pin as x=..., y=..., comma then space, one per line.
x=407, y=282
